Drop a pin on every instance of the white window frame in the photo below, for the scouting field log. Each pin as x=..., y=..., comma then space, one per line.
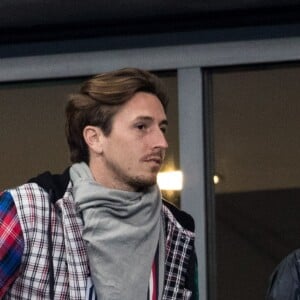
x=188, y=60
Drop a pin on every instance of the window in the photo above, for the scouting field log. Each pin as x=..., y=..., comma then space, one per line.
x=255, y=119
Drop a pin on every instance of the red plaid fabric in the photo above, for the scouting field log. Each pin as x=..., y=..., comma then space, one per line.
x=11, y=242
x=69, y=259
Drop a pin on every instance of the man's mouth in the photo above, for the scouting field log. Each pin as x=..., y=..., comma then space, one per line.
x=157, y=158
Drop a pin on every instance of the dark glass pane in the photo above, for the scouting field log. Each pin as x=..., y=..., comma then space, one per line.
x=256, y=155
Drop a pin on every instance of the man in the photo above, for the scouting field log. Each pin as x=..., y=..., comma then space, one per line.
x=104, y=217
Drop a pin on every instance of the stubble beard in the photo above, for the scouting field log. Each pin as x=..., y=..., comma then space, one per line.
x=135, y=183
x=140, y=182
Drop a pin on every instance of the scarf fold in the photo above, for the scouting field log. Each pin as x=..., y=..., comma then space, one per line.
x=122, y=231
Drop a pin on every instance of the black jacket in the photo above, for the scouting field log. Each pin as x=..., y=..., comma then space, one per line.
x=285, y=281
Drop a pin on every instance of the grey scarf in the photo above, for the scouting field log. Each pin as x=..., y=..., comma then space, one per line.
x=122, y=231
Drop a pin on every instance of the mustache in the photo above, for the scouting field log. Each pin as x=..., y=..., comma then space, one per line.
x=155, y=155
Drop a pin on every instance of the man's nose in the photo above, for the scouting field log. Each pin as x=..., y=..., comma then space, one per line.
x=160, y=140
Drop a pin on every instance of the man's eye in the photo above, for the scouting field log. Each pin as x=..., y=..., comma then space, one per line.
x=141, y=126
x=163, y=130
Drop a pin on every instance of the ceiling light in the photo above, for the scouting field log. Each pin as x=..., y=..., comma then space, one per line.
x=171, y=181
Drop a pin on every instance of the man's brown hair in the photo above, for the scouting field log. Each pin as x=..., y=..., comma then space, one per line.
x=99, y=100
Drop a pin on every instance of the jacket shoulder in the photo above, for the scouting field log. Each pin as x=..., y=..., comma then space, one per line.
x=284, y=283
x=185, y=219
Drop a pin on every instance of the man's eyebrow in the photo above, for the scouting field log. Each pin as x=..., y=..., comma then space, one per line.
x=164, y=122
x=144, y=118
x=147, y=118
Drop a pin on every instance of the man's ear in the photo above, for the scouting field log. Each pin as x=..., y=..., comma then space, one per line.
x=92, y=136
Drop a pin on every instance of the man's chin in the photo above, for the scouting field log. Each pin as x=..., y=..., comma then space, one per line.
x=144, y=181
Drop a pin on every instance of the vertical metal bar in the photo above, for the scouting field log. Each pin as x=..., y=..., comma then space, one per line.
x=191, y=147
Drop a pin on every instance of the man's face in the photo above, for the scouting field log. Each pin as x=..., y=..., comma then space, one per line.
x=134, y=150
